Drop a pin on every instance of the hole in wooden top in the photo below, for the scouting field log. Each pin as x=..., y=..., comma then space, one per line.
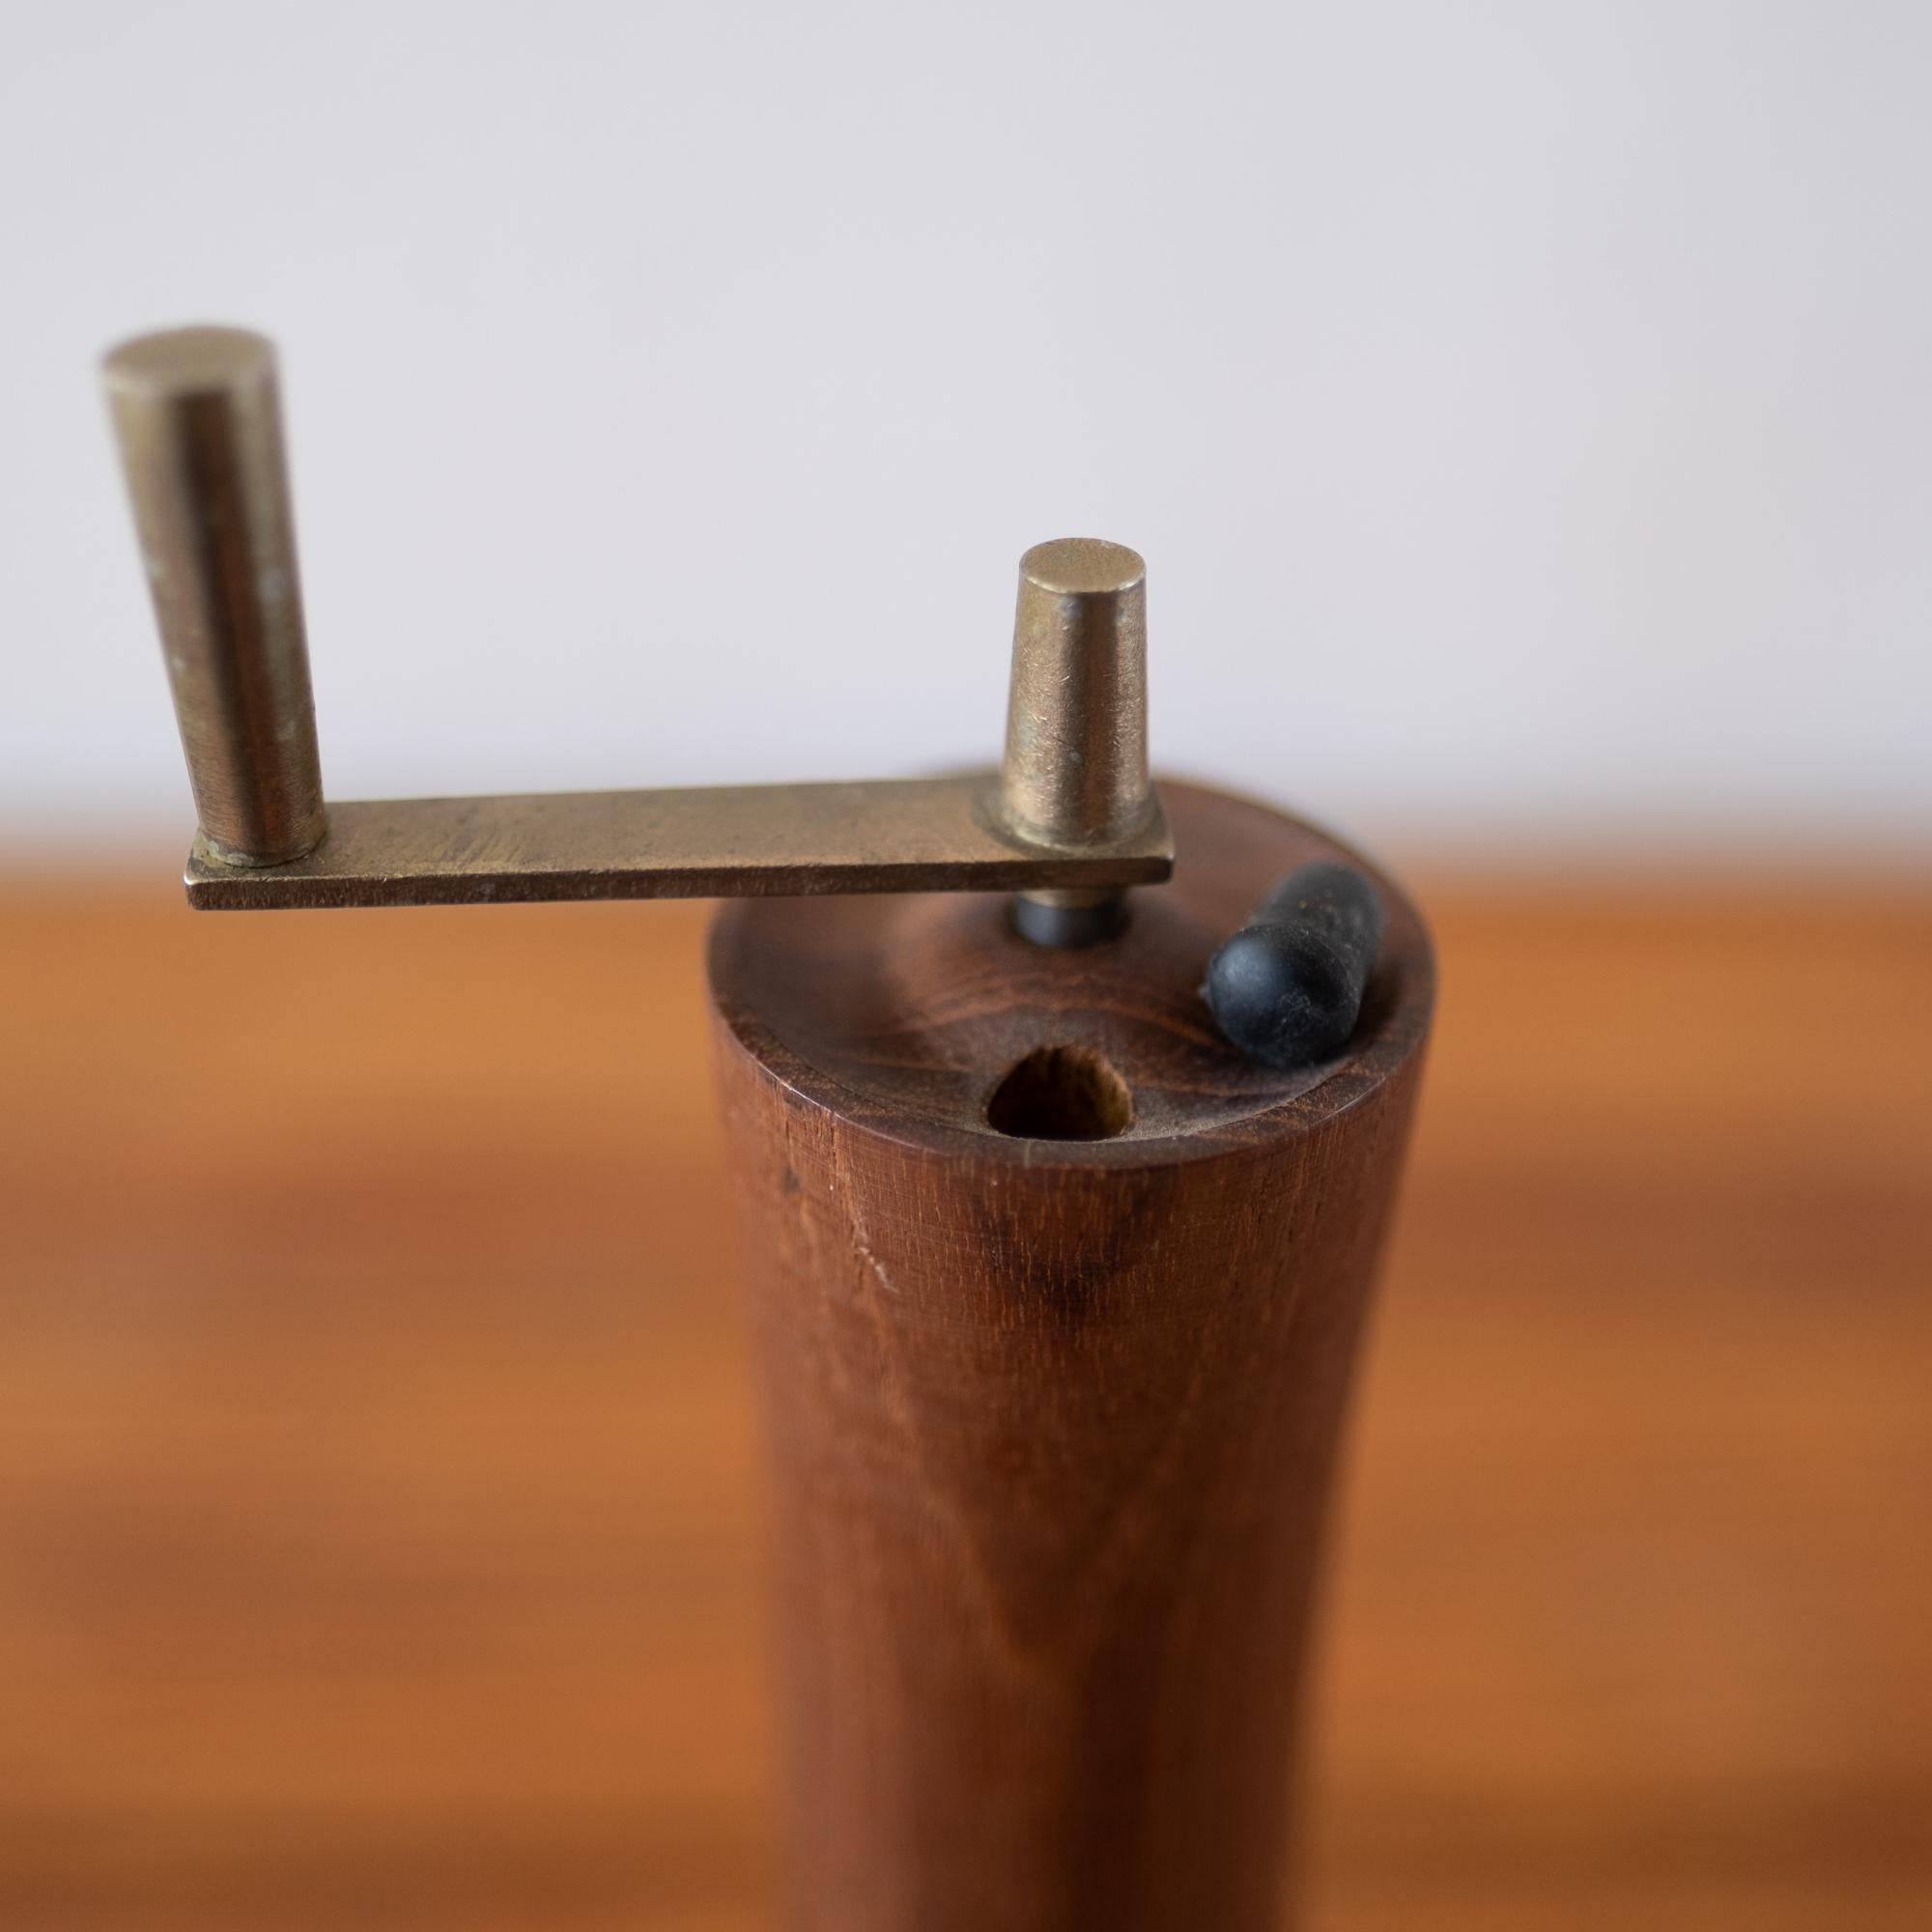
x=1061, y=1093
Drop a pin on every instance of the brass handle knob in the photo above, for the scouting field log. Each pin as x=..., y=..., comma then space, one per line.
x=200, y=426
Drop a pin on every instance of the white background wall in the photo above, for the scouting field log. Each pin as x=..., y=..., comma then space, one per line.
x=1526, y=411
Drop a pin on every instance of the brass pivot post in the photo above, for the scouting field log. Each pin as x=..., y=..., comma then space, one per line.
x=1071, y=822
x=1076, y=765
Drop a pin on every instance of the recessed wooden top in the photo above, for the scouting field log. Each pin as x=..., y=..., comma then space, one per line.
x=910, y=1013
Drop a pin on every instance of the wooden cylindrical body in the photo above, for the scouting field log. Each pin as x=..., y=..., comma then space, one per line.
x=1052, y=1422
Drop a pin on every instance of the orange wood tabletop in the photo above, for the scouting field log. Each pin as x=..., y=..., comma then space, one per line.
x=379, y=1488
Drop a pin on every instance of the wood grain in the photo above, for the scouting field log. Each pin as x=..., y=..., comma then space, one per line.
x=1053, y=1421
x=378, y=1509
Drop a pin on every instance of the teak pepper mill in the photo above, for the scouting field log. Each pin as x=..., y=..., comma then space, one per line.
x=1056, y=1291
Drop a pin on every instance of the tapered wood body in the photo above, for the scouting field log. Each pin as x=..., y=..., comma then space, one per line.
x=1052, y=1422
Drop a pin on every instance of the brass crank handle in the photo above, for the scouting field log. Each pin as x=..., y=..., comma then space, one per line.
x=1069, y=820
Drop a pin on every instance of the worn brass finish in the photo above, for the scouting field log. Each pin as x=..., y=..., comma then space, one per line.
x=199, y=424
x=931, y=834
x=1071, y=820
x=1076, y=763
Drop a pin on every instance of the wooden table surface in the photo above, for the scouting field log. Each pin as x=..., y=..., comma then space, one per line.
x=378, y=1487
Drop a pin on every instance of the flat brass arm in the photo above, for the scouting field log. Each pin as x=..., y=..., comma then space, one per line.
x=709, y=841
x=1069, y=821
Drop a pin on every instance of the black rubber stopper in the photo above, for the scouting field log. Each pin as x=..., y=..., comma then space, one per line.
x=1287, y=989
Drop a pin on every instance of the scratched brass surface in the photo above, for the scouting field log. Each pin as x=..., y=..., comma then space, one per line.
x=197, y=412
x=711, y=841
